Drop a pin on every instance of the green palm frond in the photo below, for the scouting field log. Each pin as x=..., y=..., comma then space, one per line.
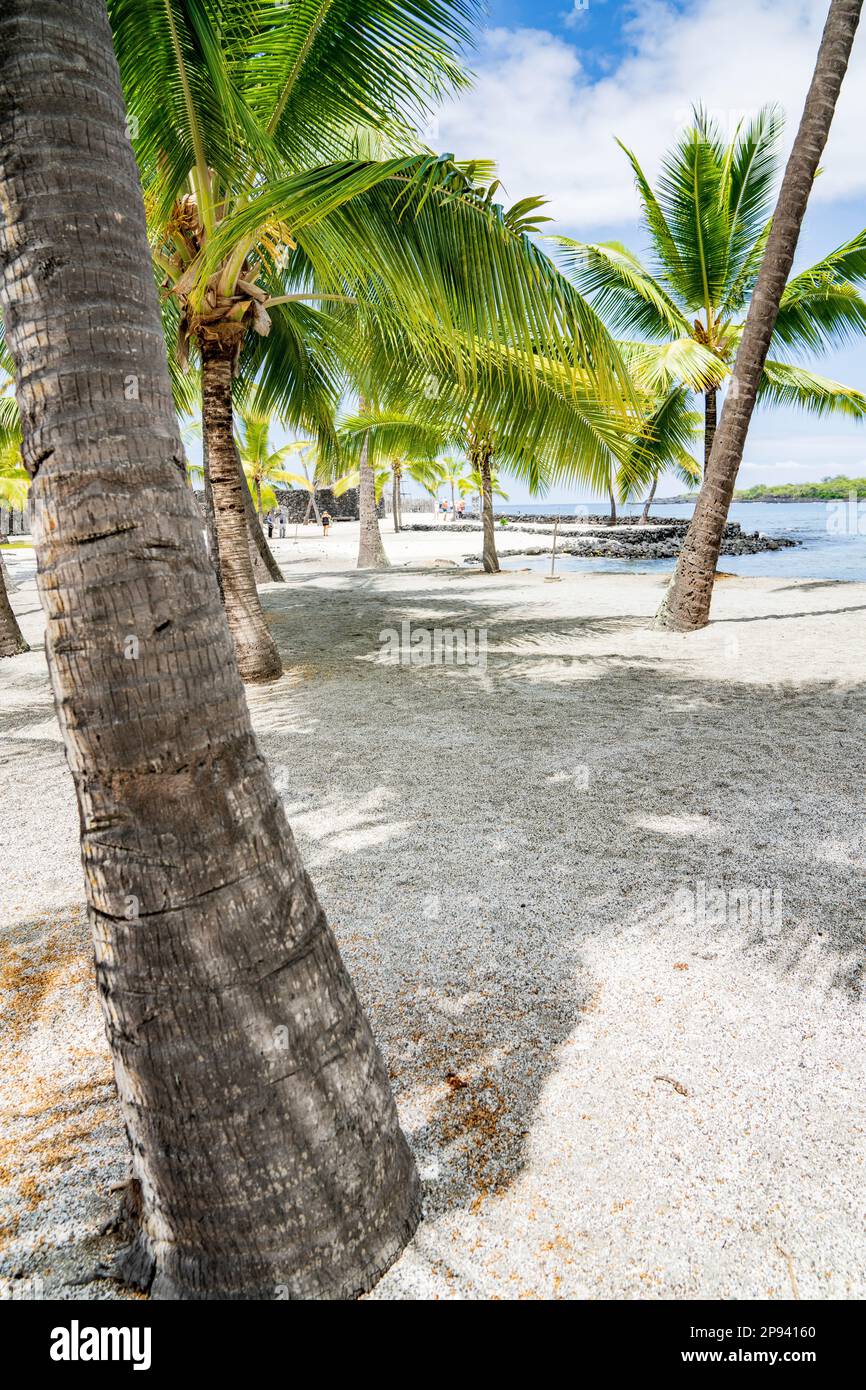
x=821, y=307
x=750, y=166
x=416, y=237
x=788, y=385
x=689, y=188
x=669, y=434
x=622, y=291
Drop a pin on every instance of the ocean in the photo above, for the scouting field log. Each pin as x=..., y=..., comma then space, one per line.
x=833, y=536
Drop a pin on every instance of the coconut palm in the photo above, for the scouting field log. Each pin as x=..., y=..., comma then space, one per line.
x=818, y=305
x=262, y=215
x=708, y=222
x=265, y=1146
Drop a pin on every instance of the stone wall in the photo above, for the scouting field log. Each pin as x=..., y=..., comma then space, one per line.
x=343, y=508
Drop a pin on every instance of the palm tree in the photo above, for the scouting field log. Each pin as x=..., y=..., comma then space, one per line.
x=260, y=208
x=708, y=222
x=775, y=306
x=453, y=470
x=14, y=482
x=265, y=1145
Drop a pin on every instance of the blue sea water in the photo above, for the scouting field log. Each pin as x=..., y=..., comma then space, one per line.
x=833, y=536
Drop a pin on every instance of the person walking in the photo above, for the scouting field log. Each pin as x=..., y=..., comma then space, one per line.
x=326, y=523
x=269, y=519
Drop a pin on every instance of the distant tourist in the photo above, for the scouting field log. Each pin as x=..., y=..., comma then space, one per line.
x=326, y=522
x=270, y=524
x=281, y=523
x=461, y=508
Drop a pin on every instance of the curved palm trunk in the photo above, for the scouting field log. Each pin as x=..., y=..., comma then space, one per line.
x=264, y=1140
x=12, y=641
x=258, y=659
x=687, y=603
x=489, y=557
x=453, y=504
x=611, y=519
x=644, y=516
x=371, y=550
x=259, y=512
x=710, y=401
x=265, y=567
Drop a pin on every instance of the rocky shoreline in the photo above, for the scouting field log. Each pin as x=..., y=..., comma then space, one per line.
x=658, y=540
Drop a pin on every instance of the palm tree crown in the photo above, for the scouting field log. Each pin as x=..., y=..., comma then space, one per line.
x=708, y=220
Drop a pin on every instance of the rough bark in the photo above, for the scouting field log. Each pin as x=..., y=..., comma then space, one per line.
x=12, y=641
x=489, y=557
x=686, y=605
x=644, y=516
x=611, y=519
x=264, y=1140
x=258, y=658
x=265, y=568
x=371, y=549
x=710, y=401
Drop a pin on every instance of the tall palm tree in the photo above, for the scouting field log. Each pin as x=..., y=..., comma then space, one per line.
x=259, y=208
x=708, y=221
x=687, y=602
x=264, y=1140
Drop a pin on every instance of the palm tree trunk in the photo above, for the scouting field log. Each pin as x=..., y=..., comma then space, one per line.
x=395, y=499
x=12, y=641
x=489, y=557
x=453, y=503
x=210, y=519
x=258, y=658
x=259, y=511
x=371, y=549
x=265, y=1145
x=611, y=520
x=687, y=603
x=644, y=516
x=265, y=567
x=710, y=398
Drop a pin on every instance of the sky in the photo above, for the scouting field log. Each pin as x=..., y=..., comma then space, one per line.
x=555, y=82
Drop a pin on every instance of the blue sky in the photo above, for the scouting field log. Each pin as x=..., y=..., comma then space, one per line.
x=554, y=82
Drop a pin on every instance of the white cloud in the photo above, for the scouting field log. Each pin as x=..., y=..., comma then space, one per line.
x=550, y=125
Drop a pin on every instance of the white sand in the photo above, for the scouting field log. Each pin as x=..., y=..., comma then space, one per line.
x=646, y=1099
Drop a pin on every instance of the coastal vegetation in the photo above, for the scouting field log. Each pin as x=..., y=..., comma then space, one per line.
x=828, y=490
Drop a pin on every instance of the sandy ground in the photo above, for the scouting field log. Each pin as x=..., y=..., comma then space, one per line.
x=603, y=899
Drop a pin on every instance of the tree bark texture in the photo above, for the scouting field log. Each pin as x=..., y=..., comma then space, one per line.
x=258, y=658
x=264, y=1139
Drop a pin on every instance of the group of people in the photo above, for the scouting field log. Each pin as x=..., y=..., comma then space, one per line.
x=446, y=512
x=277, y=518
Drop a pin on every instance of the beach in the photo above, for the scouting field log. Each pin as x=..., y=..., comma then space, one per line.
x=599, y=890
